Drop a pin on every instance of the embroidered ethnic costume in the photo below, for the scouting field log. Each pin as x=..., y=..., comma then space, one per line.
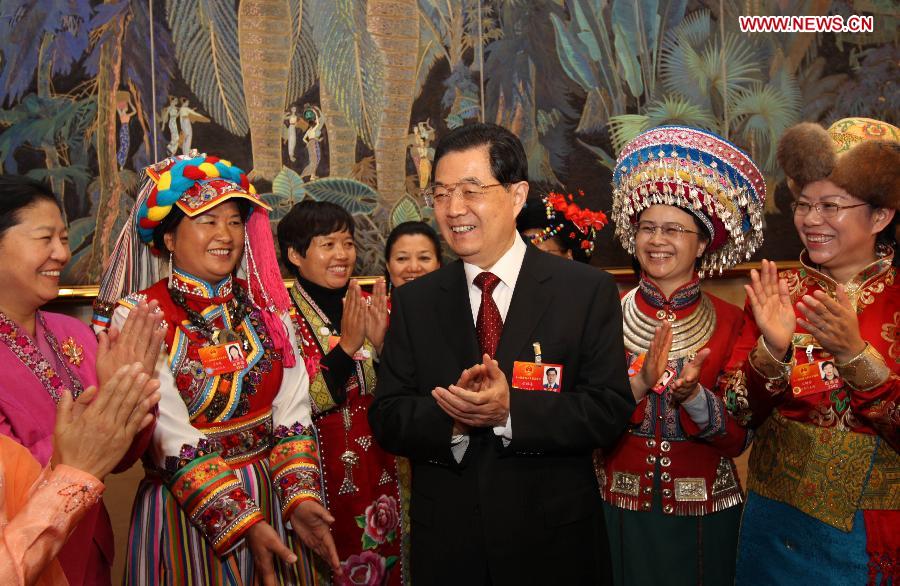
x=826, y=462
x=365, y=487
x=231, y=448
x=669, y=483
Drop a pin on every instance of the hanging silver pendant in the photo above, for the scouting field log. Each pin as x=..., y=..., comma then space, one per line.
x=349, y=459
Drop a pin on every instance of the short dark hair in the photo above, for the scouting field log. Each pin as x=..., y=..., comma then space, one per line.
x=18, y=192
x=827, y=363
x=412, y=228
x=309, y=219
x=551, y=369
x=507, y=155
x=176, y=214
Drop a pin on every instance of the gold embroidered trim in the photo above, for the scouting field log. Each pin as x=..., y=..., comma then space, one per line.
x=866, y=371
x=820, y=471
x=768, y=366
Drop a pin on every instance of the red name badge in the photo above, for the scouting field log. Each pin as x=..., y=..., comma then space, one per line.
x=815, y=377
x=531, y=376
x=222, y=358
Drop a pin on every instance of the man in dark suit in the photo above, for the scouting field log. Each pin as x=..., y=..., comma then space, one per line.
x=503, y=488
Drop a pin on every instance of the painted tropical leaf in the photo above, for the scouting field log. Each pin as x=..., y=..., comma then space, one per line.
x=353, y=196
x=350, y=65
x=674, y=109
x=763, y=113
x=680, y=61
x=431, y=45
x=603, y=157
x=631, y=67
x=288, y=184
x=80, y=230
x=206, y=48
x=743, y=64
x=574, y=55
x=303, y=53
x=406, y=210
x=639, y=24
x=624, y=127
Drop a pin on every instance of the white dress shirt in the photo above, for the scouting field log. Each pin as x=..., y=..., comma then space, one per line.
x=507, y=269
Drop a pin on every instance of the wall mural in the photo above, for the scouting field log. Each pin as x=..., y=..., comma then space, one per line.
x=342, y=100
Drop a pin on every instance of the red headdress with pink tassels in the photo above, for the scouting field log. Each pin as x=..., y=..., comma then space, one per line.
x=195, y=184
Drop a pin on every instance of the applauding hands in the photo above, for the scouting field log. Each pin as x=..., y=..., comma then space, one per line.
x=833, y=322
x=480, y=398
x=364, y=317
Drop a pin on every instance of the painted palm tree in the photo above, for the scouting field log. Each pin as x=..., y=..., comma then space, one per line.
x=394, y=26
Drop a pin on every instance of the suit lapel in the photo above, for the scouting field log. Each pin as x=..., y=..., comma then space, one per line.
x=530, y=300
x=455, y=316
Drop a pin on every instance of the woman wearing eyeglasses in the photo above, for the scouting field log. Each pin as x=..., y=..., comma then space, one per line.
x=823, y=500
x=684, y=201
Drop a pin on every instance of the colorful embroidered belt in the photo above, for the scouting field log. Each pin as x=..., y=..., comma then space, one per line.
x=826, y=473
x=243, y=441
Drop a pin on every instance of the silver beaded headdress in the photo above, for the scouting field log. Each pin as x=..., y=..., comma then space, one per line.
x=700, y=173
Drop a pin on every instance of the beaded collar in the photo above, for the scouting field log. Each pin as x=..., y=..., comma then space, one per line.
x=683, y=298
x=27, y=351
x=196, y=287
x=863, y=284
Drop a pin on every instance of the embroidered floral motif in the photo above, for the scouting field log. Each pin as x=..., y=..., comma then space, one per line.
x=365, y=569
x=212, y=496
x=78, y=496
x=295, y=468
x=380, y=522
x=891, y=333
x=30, y=355
x=736, y=397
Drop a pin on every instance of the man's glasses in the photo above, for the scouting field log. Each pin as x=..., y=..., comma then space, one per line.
x=826, y=209
x=667, y=231
x=470, y=191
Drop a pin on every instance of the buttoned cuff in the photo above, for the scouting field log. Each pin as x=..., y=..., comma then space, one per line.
x=505, y=431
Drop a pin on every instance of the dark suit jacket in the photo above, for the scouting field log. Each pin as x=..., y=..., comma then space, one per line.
x=528, y=513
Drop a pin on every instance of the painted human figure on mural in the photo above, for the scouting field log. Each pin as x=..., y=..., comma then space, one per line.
x=290, y=133
x=125, y=110
x=421, y=152
x=170, y=116
x=186, y=116
x=313, y=137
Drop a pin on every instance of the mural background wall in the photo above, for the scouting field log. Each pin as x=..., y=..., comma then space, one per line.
x=342, y=100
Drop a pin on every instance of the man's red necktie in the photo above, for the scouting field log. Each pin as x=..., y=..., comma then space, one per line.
x=489, y=324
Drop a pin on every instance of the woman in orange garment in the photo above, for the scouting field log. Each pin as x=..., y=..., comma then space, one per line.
x=40, y=508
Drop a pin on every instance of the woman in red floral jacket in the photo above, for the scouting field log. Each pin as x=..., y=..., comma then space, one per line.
x=823, y=505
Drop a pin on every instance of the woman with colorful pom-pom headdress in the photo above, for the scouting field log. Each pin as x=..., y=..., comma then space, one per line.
x=685, y=202
x=233, y=468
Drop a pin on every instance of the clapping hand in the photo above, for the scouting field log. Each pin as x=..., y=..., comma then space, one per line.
x=772, y=308
x=486, y=407
x=687, y=385
x=140, y=340
x=94, y=432
x=377, y=315
x=833, y=322
x=353, y=320
x=655, y=362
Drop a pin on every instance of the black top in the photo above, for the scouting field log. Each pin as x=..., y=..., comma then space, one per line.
x=337, y=366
